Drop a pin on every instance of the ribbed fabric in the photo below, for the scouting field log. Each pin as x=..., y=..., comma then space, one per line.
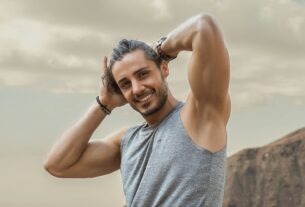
x=162, y=167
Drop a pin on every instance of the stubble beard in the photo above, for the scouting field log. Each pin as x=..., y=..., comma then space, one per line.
x=161, y=97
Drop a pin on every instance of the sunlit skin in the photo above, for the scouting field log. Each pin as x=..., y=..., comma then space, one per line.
x=144, y=85
x=204, y=115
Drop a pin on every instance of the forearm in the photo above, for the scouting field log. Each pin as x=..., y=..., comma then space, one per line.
x=74, y=141
x=185, y=35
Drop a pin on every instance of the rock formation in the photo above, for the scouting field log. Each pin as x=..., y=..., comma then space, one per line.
x=268, y=176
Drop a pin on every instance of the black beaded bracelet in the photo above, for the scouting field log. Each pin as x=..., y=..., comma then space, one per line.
x=102, y=106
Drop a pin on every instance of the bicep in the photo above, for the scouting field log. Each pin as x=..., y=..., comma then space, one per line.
x=208, y=71
x=99, y=158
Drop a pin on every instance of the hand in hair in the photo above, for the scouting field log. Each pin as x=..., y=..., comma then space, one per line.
x=107, y=94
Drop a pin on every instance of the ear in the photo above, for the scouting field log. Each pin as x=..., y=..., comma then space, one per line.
x=164, y=68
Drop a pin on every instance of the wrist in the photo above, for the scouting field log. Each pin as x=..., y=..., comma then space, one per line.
x=104, y=105
x=106, y=102
x=163, y=52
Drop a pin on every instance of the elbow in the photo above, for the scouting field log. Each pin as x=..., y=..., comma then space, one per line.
x=205, y=23
x=52, y=169
x=49, y=168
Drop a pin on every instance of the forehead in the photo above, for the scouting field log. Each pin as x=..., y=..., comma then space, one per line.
x=130, y=63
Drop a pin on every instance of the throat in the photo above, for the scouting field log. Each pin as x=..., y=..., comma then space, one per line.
x=158, y=116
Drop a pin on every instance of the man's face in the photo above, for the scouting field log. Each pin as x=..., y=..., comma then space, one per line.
x=141, y=82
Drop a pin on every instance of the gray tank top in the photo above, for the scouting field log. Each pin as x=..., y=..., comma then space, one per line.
x=161, y=166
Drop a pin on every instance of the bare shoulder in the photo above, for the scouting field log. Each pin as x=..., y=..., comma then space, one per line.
x=116, y=137
x=206, y=124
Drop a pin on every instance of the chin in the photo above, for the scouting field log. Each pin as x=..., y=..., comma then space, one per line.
x=152, y=108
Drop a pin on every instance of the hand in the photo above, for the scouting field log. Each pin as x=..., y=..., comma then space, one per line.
x=107, y=95
x=164, y=56
x=154, y=47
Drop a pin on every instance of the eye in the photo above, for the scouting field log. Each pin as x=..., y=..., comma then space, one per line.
x=143, y=74
x=125, y=85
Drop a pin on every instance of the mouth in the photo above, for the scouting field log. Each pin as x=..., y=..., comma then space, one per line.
x=144, y=98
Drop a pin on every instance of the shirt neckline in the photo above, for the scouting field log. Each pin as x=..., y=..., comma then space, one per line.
x=147, y=127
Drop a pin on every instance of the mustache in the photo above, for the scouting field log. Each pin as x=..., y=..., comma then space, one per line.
x=142, y=94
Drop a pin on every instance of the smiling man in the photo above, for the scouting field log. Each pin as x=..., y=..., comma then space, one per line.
x=177, y=157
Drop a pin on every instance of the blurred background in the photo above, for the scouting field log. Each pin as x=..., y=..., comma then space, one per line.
x=50, y=63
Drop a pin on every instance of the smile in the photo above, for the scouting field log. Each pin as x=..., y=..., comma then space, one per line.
x=145, y=98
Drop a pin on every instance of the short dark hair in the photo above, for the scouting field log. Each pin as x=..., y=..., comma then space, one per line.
x=126, y=46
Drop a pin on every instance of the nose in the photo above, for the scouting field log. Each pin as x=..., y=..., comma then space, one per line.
x=137, y=87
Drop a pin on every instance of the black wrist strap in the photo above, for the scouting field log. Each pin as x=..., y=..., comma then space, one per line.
x=162, y=54
x=102, y=106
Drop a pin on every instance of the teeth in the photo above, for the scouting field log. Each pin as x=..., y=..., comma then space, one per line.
x=145, y=98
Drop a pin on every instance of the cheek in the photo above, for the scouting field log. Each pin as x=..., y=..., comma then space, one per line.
x=126, y=95
x=158, y=81
x=155, y=80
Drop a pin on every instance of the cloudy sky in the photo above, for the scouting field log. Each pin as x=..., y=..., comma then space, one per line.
x=50, y=58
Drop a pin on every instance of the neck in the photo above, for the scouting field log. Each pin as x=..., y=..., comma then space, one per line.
x=159, y=115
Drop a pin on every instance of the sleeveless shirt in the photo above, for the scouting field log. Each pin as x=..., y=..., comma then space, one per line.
x=162, y=167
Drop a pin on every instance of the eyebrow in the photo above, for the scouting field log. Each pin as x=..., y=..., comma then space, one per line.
x=134, y=73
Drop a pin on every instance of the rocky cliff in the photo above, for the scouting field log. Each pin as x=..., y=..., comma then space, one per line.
x=269, y=176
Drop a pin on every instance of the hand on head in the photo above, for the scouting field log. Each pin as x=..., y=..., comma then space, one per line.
x=108, y=95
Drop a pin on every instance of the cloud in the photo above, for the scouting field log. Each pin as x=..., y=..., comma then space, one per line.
x=96, y=15
x=258, y=76
x=81, y=44
x=58, y=45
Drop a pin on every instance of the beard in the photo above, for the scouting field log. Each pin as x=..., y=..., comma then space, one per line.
x=161, y=97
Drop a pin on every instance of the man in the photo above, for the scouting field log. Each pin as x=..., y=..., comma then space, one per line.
x=178, y=156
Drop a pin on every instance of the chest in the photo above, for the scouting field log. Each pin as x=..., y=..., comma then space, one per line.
x=164, y=152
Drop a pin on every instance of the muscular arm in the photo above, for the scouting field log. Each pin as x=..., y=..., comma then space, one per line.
x=74, y=156
x=208, y=70
x=207, y=108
